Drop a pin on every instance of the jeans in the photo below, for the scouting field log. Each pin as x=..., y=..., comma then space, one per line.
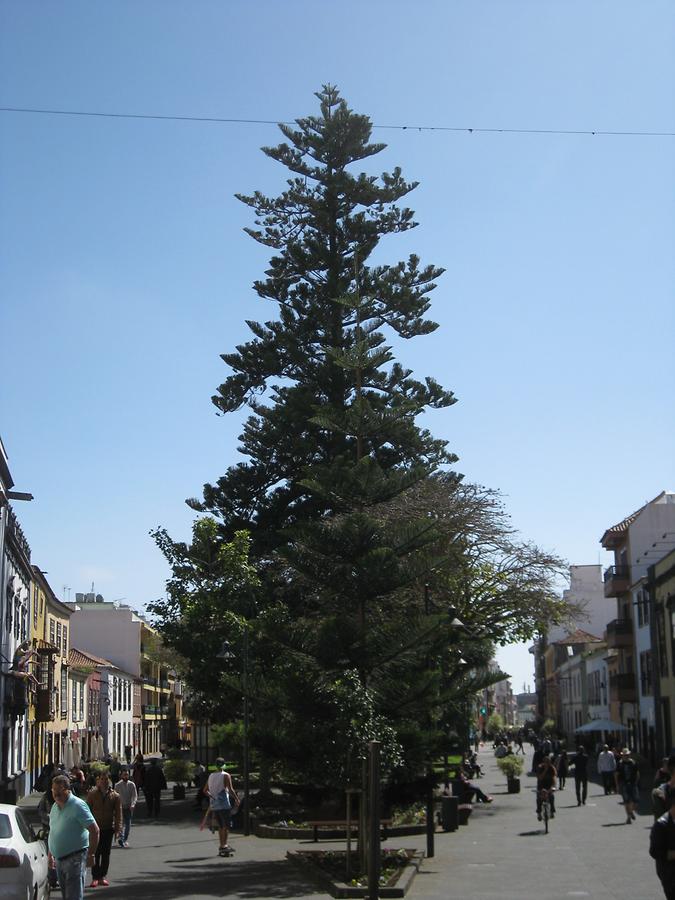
x=71, y=871
x=608, y=782
x=102, y=857
x=581, y=786
x=127, y=815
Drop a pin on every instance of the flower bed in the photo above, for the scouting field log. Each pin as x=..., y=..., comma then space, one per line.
x=328, y=867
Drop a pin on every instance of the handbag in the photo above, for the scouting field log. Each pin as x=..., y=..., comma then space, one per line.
x=221, y=802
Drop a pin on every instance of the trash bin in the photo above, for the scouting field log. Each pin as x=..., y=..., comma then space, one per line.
x=450, y=813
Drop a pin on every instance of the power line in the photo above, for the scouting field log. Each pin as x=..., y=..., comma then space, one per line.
x=237, y=121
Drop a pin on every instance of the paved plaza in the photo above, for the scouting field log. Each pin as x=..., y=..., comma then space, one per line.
x=502, y=854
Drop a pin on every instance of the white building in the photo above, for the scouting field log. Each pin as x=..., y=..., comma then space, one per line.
x=120, y=634
x=15, y=594
x=637, y=542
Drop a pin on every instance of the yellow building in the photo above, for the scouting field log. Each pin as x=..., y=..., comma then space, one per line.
x=57, y=627
x=41, y=707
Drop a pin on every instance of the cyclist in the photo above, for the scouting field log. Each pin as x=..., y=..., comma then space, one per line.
x=546, y=780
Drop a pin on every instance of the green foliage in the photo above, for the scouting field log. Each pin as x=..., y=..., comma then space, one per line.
x=97, y=768
x=319, y=544
x=494, y=724
x=511, y=766
x=178, y=770
x=229, y=739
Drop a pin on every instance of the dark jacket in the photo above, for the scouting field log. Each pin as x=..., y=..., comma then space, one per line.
x=154, y=779
x=662, y=845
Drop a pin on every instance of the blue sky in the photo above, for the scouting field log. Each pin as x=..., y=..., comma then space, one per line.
x=125, y=271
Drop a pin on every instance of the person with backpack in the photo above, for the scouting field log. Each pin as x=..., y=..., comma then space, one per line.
x=222, y=800
x=629, y=776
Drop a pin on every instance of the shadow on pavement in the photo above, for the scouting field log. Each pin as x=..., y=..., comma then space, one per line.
x=193, y=878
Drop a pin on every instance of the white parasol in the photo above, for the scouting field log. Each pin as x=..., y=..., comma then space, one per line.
x=77, y=755
x=100, y=751
x=68, y=754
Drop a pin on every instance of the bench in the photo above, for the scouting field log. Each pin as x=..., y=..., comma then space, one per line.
x=342, y=823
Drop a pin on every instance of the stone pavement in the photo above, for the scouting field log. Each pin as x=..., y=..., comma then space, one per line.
x=502, y=854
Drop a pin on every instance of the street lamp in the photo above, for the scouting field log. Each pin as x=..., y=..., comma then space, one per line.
x=227, y=653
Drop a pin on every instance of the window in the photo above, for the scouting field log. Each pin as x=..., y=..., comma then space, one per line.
x=81, y=714
x=58, y=635
x=65, y=640
x=64, y=694
x=646, y=673
x=74, y=701
x=35, y=608
x=52, y=631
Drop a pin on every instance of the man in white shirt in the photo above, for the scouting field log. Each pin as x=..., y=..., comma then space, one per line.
x=222, y=799
x=607, y=768
x=129, y=797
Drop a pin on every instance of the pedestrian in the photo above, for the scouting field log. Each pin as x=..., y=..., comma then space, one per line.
x=138, y=772
x=471, y=790
x=153, y=785
x=222, y=799
x=73, y=838
x=662, y=849
x=106, y=808
x=77, y=780
x=115, y=769
x=580, y=764
x=129, y=798
x=199, y=777
x=662, y=792
x=562, y=765
x=519, y=742
x=629, y=777
x=606, y=769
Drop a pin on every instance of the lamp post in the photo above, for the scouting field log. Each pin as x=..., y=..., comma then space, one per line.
x=227, y=653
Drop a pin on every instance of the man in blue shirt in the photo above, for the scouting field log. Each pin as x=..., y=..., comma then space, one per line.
x=73, y=837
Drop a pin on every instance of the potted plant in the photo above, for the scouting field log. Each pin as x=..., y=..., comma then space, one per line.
x=178, y=771
x=512, y=767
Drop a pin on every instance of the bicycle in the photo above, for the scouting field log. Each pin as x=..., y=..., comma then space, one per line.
x=545, y=807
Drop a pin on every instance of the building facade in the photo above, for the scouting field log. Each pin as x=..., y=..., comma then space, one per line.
x=635, y=541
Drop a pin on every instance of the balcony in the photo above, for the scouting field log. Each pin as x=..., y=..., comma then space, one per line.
x=44, y=711
x=622, y=688
x=150, y=710
x=617, y=580
x=619, y=634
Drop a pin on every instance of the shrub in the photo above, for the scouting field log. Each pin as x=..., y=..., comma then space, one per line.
x=511, y=766
x=178, y=770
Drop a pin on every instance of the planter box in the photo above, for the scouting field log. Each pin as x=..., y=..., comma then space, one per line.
x=302, y=859
x=513, y=785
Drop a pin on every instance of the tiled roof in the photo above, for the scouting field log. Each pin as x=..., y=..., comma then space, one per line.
x=624, y=524
x=579, y=637
x=84, y=658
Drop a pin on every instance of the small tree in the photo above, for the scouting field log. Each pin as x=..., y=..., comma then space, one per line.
x=494, y=724
x=511, y=766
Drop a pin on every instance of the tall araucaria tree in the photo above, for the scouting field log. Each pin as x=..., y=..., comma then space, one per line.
x=323, y=229
x=339, y=630
x=332, y=432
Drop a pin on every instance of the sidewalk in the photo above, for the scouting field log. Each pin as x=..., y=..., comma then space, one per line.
x=502, y=854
